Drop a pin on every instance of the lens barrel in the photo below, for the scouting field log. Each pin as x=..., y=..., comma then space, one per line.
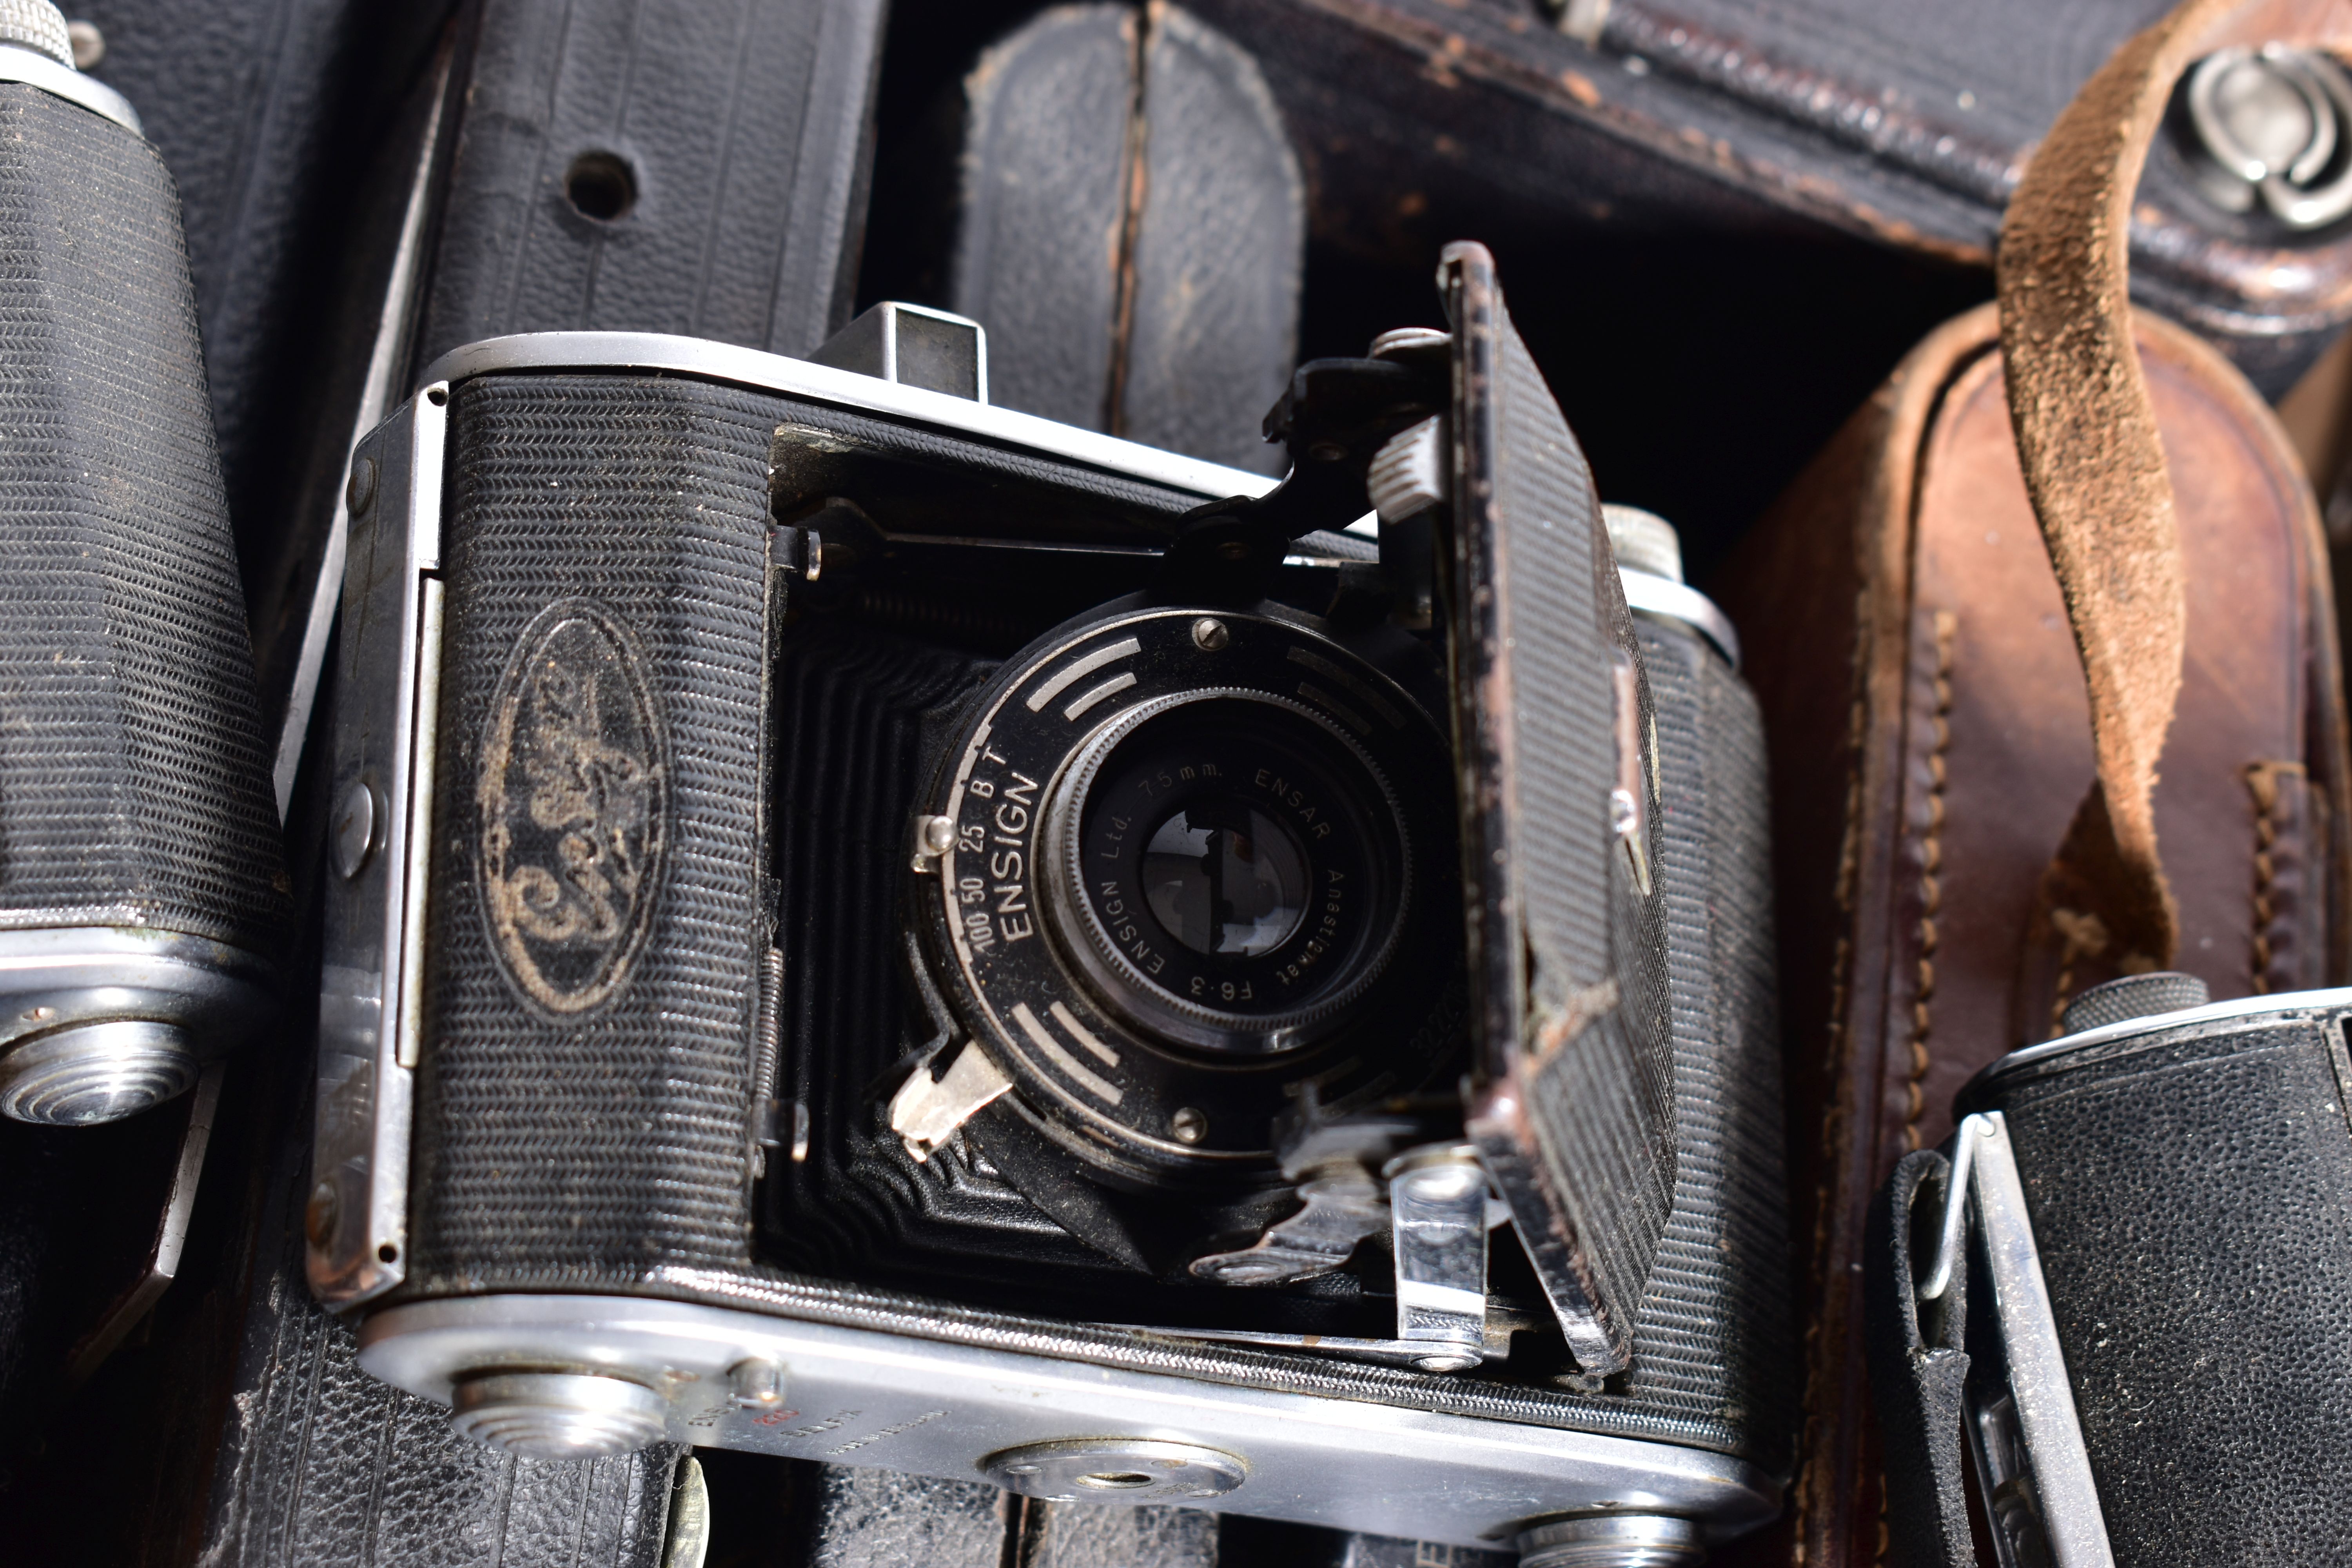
x=1190, y=860
x=1231, y=869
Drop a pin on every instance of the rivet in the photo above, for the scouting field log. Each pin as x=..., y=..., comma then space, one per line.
x=355, y=829
x=360, y=493
x=319, y=1213
x=756, y=1383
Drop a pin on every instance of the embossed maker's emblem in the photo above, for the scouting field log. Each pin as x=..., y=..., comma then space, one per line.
x=573, y=797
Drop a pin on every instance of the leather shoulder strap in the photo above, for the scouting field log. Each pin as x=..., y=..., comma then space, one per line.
x=2087, y=435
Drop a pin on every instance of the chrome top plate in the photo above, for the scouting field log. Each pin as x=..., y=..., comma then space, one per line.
x=2238, y=1007
x=662, y=352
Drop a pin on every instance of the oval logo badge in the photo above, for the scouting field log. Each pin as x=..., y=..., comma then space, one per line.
x=573, y=798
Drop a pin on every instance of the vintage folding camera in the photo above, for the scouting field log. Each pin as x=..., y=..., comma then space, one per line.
x=2121, y=1287
x=876, y=928
x=142, y=898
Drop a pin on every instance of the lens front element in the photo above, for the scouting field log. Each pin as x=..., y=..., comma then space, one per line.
x=1231, y=868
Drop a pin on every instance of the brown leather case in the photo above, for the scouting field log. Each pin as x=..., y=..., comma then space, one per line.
x=2077, y=581
x=1930, y=742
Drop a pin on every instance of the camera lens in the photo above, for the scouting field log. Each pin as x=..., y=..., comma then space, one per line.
x=1167, y=875
x=1233, y=869
x=1222, y=877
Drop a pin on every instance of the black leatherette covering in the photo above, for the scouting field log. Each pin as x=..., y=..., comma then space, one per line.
x=744, y=128
x=1552, y=721
x=1131, y=230
x=557, y=1131
x=323, y=1466
x=132, y=789
x=2191, y=1191
x=1715, y=1334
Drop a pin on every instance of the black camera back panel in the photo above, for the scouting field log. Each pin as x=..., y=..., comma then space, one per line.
x=673, y=166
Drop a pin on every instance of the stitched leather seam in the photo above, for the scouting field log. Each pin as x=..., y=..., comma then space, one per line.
x=1931, y=886
x=2262, y=781
x=2080, y=936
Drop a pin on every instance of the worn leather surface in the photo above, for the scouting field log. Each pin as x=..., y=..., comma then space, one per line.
x=1917, y=1369
x=2093, y=466
x=326, y=1465
x=1043, y=217
x=2190, y=1193
x=1908, y=123
x=1131, y=230
x=744, y=128
x=1925, y=712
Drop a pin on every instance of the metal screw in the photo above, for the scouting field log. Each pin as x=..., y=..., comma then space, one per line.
x=1188, y=1125
x=557, y=1416
x=89, y=44
x=934, y=836
x=756, y=1383
x=2272, y=125
x=1211, y=635
x=319, y=1215
x=355, y=829
x=360, y=493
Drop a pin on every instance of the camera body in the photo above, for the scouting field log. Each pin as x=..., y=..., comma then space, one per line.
x=2095, y=1346
x=141, y=896
x=875, y=927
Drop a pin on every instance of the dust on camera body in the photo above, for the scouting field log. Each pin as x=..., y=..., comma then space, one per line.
x=880, y=929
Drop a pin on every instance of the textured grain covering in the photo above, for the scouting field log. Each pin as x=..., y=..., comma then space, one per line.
x=1602, y=1099
x=2190, y=1191
x=613, y=1138
x=323, y=1466
x=1714, y=1336
x=132, y=789
x=745, y=126
x=1566, y=951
